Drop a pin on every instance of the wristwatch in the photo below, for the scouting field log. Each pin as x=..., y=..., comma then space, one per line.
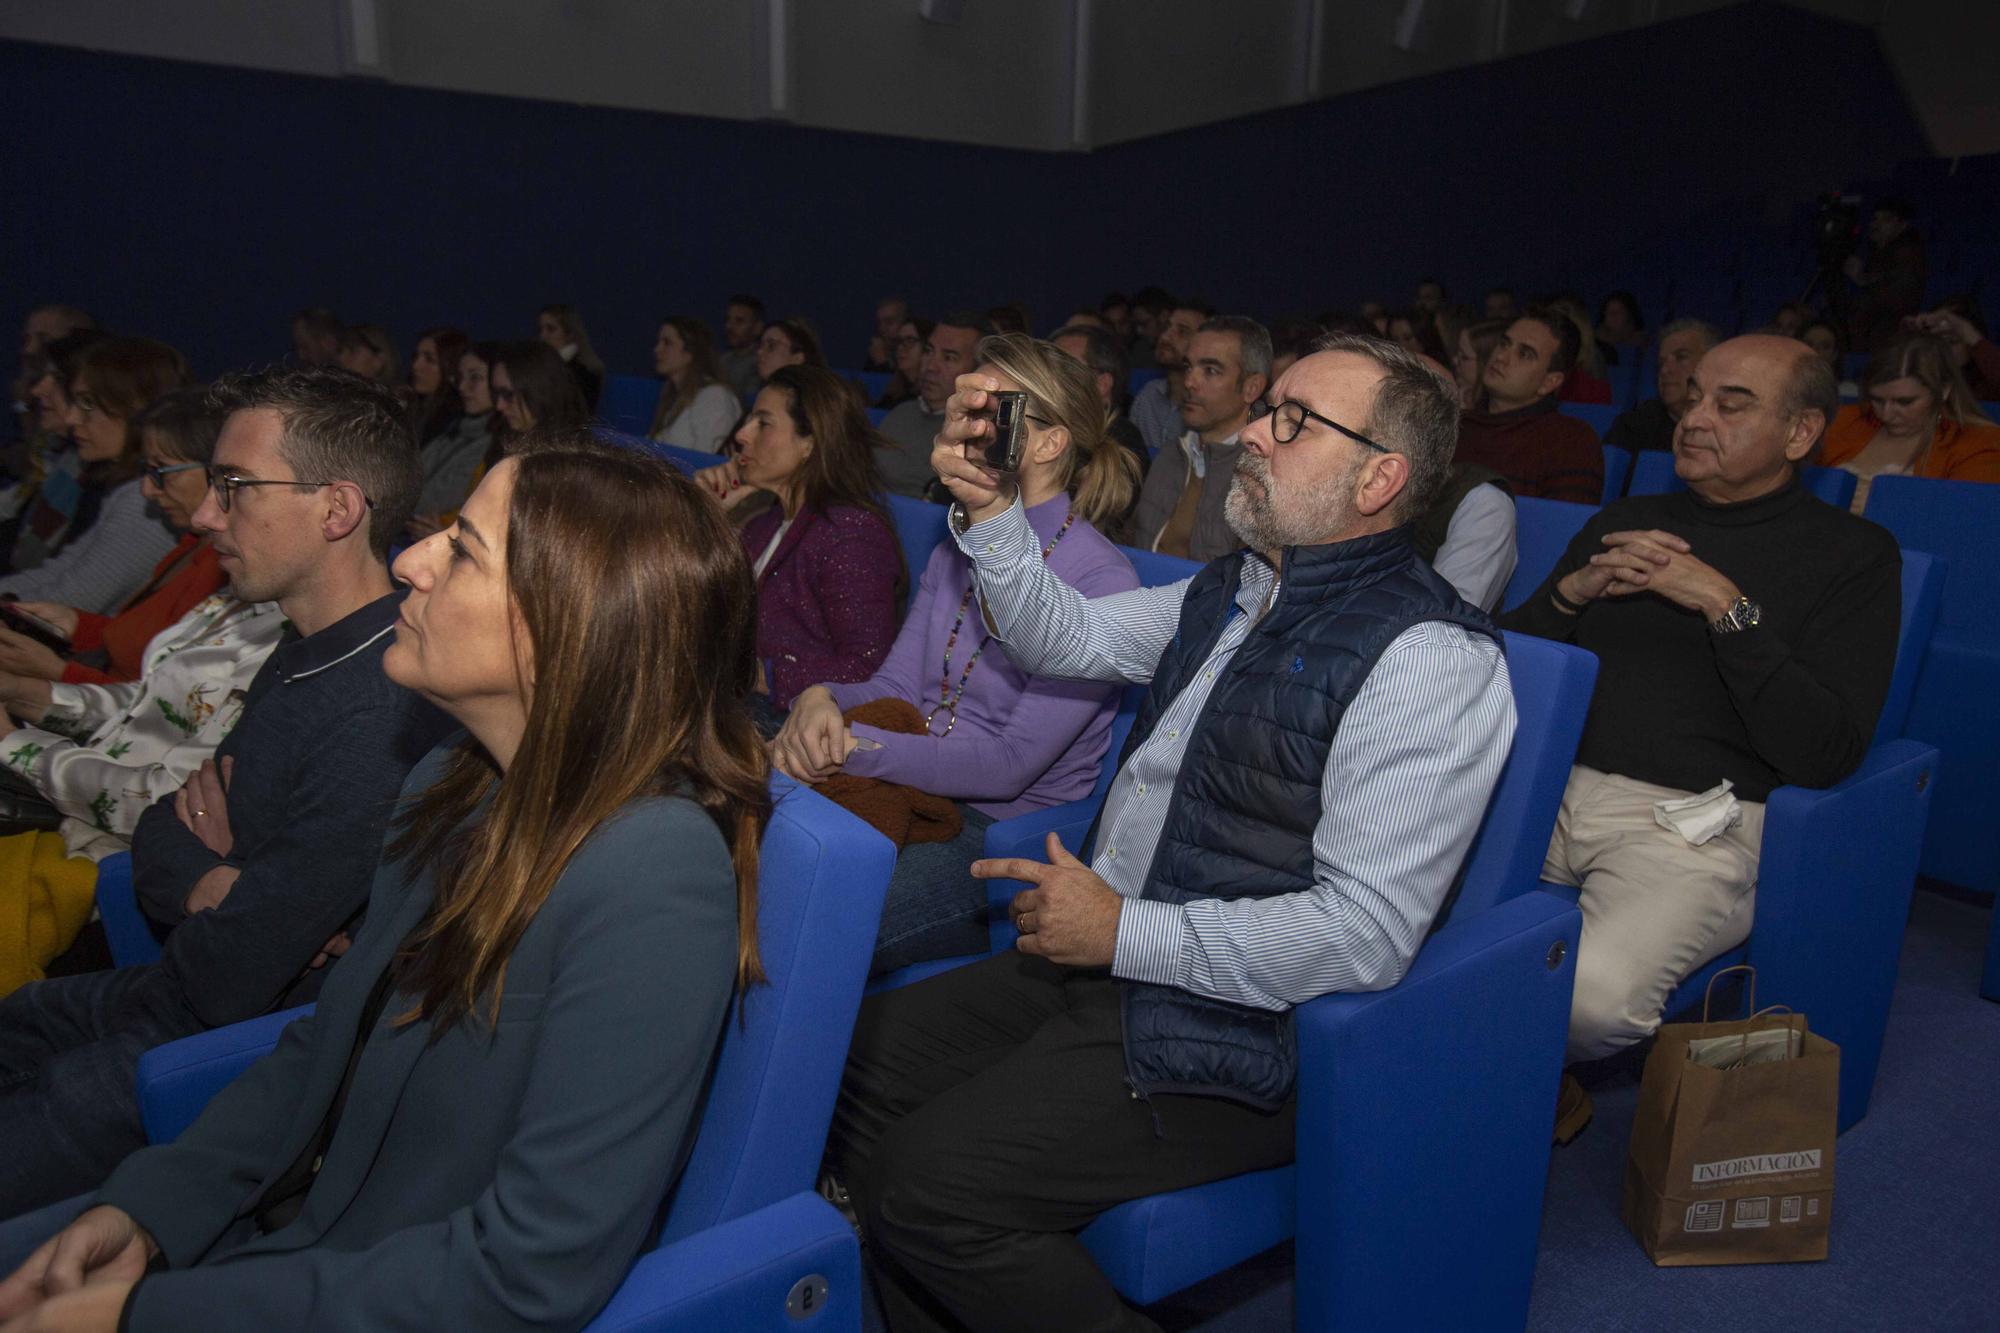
x=1742, y=614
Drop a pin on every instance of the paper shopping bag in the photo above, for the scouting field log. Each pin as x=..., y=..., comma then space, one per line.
x=1731, y=1159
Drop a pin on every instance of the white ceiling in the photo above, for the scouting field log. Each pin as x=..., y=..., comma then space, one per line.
x=1035, y=74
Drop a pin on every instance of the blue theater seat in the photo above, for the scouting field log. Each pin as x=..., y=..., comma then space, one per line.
x=743, y=1228
x=1653, y=474
x=920, y=526
x=628, y=402
x=1597, y=416
x=1617, y=471
x=1954, y=704
x=1543, y=530
x=1412, y=1204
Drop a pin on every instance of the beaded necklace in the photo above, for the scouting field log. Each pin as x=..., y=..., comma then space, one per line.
x=947, y=698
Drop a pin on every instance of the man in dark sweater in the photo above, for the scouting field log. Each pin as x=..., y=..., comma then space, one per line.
x=1518, y=430
x=1651, y=424
x=256, y=865
x=1745, y=633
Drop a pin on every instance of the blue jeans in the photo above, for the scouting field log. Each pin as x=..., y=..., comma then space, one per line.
x=934, y=907
x=69, y=1110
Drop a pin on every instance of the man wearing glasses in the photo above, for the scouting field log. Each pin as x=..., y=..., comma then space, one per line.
x=1326, y=721
x=255, y=868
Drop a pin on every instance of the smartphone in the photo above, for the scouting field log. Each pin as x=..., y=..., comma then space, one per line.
x=41, y=631
x=1010, y=431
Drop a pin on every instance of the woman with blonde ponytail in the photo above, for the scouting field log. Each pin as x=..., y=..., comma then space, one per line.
x=995, y=740
x=478, y=1125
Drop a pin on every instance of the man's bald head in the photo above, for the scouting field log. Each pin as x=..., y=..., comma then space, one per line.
x=1804, y=381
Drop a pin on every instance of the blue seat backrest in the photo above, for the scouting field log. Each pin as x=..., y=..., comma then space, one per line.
x=877, y=415
x=1597, y=416
x=1543, y=530
x=628, y=402
x=1923, y=590
x=920, y=526
x=1958, y=522
x=1139, y=379
x=820, y=880
x=1156, y=570
x=1617, y=470
x=876, y=382
x=689, y=461
x=1653, y=474
x=1552, y=683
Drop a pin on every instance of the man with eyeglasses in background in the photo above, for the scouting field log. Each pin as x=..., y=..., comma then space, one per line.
x=1226, y=367
x=256, y=867
x=1326, y=722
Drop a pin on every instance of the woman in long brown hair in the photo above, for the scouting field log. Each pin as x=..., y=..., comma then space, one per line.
x=696, y=409
x=829, y=571
x=545, y=964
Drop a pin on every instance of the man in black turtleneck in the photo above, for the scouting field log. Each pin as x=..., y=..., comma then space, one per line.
x=1745, y=633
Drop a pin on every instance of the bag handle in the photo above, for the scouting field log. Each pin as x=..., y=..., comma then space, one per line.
x=1785, y=1009
x=1708, y=994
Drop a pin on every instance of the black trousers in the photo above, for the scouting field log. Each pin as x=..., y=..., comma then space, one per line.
x=984, y=1119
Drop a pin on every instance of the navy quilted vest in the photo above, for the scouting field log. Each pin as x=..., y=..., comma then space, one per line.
x=1247, y=797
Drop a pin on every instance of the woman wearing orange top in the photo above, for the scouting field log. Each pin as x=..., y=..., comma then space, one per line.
x=177, y=438
x=1917, y=418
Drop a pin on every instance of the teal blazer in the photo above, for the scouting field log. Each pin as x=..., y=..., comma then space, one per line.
x=491, y=1178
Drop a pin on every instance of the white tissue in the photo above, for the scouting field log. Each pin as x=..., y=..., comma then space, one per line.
x=1699, y=818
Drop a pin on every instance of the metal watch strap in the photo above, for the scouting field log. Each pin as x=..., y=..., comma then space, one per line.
x=1742, y=614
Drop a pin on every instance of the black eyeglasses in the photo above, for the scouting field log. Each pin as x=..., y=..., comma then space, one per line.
x=1289, y=418
x=226, y=484
x=159, y=472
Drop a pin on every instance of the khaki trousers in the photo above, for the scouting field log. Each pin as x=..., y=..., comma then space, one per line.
x=1655, y=907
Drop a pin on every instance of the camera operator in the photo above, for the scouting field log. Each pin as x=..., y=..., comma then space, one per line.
x=1890, y=279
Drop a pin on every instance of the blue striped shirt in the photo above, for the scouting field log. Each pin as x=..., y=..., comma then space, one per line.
x=1407, y=780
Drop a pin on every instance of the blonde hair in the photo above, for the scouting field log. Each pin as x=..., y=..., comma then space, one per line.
x=1101, y=475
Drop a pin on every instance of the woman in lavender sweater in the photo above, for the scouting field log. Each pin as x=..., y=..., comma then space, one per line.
x=1001, y=742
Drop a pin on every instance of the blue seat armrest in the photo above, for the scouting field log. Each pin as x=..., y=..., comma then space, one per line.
x=1424, y=1118
x=126, y=930
x=176, y=1080
x=737, y=1275
x=1027, y=836
x=1833, y=894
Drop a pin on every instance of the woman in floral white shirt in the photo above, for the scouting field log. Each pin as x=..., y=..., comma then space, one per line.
x=102, y=753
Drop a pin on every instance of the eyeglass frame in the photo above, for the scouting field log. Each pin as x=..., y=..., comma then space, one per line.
x=1307, y=414
x=157, y=473
x=222, y=483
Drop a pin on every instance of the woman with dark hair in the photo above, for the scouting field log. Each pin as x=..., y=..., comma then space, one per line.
x=112, y=541
x=1917, y=418
x=177, y=434
x=696, y=408
x=1470, y=354
x=789, y=342
x=995, y=740
x=433, y=388
x=1416, y=333
x=50, y=487
x=454, y=458
x=907, y=355
x=533, y=391
x=560, y=328
x=829, y=570
x=1620, y=325
x=477, y=1126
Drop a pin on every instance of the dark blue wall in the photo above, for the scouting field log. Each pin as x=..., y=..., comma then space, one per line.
x=203, y=204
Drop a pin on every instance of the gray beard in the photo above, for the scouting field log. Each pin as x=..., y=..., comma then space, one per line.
x=1255, y=518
